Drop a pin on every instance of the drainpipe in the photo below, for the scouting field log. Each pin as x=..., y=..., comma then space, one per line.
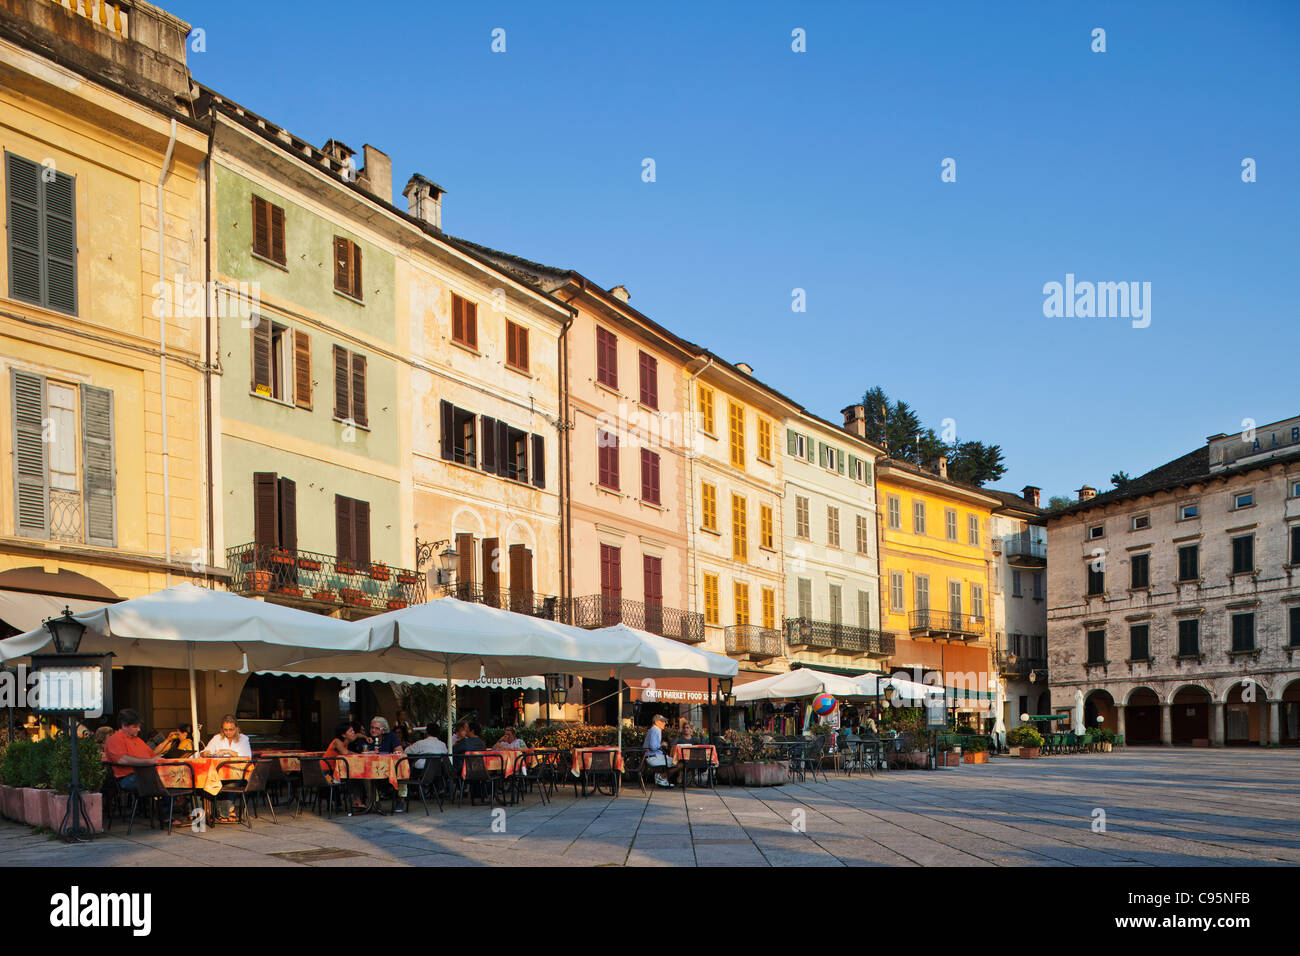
x=162, y=361
x=566, y=464
x=208, y=301
x=690, y=453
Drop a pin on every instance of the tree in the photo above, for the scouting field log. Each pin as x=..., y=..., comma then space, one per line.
x=894, y=426
x=1120, y=479
x=1058, y=503
x=975, y=463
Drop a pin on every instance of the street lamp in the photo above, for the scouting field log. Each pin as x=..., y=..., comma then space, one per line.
x=1024, y=718
x=68, y=684
x=560, y=691
x=66, y=632
x=1100, y=718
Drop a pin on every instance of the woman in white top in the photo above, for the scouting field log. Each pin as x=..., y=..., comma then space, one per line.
x=230, y=742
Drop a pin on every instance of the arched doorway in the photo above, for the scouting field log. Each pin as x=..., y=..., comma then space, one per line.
x=1189, y=716
x=1245, y=715
x=1099, y=703
x=1289, y=714
x=1142, y=717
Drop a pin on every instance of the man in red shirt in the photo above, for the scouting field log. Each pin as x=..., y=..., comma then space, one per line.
x=124, y=750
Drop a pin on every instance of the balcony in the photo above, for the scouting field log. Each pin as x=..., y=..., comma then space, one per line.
x=752, y=642
x=828, y=637
x=597, y=610
x=1017, y=667
x=1025, y=551
x=321, y=582
x=508, y=599
x=942, y=624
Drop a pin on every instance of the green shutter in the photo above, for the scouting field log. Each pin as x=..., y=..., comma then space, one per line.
x=24, y=222
x=31, y=462
x=99, y=468
x=866, y=470
x=59, y=208
x=42, y=226
x=812, y=448
x=791, y=442
x=839, y=460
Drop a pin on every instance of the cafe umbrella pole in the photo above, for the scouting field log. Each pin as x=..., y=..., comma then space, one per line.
x=194, y=706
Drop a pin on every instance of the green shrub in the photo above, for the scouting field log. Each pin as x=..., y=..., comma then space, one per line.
x=977, y=744
x=35, y=762
x=90, y=766
x=11, y=769
x=1024, y=736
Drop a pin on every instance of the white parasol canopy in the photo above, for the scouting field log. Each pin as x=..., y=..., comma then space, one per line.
x=873, y=685
x=1077, y=717
x=804, y=682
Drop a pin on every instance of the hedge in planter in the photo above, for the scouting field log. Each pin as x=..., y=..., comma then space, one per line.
x=90, y=772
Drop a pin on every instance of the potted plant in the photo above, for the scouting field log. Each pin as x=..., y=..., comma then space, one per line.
x=396, y=604
x=345, y=566
x=247, y=556
x=1106, y=739
x=976, y=750
x=290, y=589
x=308, y=564
x=351, y=595
x=34, y=772
x=757, y=762
x=407, y=577
x=1029, y=740
x=11, y=772
x=325, y=594
x=949, y=753
x=261, y=580
x=378, y=571
x=281, y=556
x=90, y=771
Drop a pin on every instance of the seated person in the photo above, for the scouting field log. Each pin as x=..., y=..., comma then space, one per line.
x=654, y=752
x=345, y=738
x=233, y=744
x=402, y=727
x=509, y=741
x=467, y=737
x=183, y=745
x=124, y=749
x=432, y=744
x=687, y=737
x=384, y=741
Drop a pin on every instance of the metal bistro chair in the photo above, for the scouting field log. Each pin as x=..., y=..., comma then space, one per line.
x=547, y=772
x=315, y=781
x=475, y=774
x=253, y=777
x=598, y=766
x=634, y=765
x=286, y=784
x=150, y=786
x=695, y=761
x=429, y=781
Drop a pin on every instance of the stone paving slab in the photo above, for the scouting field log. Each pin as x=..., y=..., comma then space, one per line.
x=1163, y=807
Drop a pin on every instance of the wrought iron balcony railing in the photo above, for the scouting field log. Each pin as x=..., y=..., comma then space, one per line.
x=757, y=643
x=943, y=623
x=321, y=580
x=509, y=599
x=1017, y=666
x=1024, y=549
x=598, y=610
x=827, y=635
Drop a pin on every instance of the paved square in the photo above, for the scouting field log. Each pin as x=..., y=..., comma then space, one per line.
x=1162, y=808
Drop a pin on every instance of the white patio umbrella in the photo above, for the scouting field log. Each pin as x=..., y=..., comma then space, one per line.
x=1077, y=717
x=804, y=682
x=873, y=685
x=196, y=628
x=664, y=657
x=999, y=705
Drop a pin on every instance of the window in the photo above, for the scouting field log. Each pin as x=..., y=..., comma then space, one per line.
x=736, y=420
x=648, y=370
x=973, y=529
x=977, y=601
x=42, y=226
x=805, y=599
x=1138, y=643
x=352, y=531
x=1096, y=531
x=832, y=458
x=766, y=531
x=706, y=409
x=1096, y=581
x=1243, y=632
x=950, y=524
x=895, y=513
x=1015, y=582
x=921, y=585
x=1038, y=585
x=918, y=517
x=607, y=454
x=275, y=511
x=464, y=321
x=1295, y=625
x=1188, y=511
x=741, y=594
x=1189, y=561
x=606, y=357
x=832, y=527
x=1295, y=489
x=857, y=468
x=268, y=231
x=473, y=440
x=516, y=346
x=1140, y=571
x=954, y=601
x=1243, y=554
x=864, y=535
x=709, y=506
x=796, y=444
x=1097, y=647
x=1243, y=500
x=864, y=610
x=349, y=386
x=281, y=363
x=896, y=599
x=1141, y=522
x=459, y=435
x=837, y=604
x=54, y=498
x=801, y=529
x=1189, y=637
x=652, y=574
x=611, y=584
x=764, y=440
x=514, y=465
x=1295, y=544
x=739, y=529
x=650, y=476
x=347, y=267
x=711, y=599
x=769, y=609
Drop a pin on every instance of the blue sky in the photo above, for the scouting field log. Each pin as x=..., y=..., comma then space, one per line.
x=821, y=171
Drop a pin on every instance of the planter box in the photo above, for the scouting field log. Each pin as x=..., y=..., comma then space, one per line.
x=261, y=580
x=351, y=596
x=11, y=803
x=975, y=756
x=396, y=605
x=309, y=564
x=405, y=578
x=950, y=759
x=94, y=809
x=36, y=806
x=1029, y=753
x=378, y=572
x=328, y=596
x=918, y=759
x=764, y=774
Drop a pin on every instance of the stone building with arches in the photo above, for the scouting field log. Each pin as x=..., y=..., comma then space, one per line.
x=1174, y=600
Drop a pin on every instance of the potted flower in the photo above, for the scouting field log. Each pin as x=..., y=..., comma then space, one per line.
x=90, y=771
x=261, y=580
x=396, y=604
x=345, y=566
x=378, y=571
x=1106, y=740
x=1029, y=740
x=11, y=772
x=757, y=763
x=351, y=595
x=281, y=556
x=407, y=577
x=308, y=564
x=976, y=751
x=325, y=594
x=949, y=753
x=290, y=590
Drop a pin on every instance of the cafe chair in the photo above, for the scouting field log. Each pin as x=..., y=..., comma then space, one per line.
x=634, y=766
x=315, y=782
x=252, y=780
x=428, y=782
x=476, y=776
x=286, y=784
x=546, y=773
x=600, y=772
x=695, y=761
x=150, y=787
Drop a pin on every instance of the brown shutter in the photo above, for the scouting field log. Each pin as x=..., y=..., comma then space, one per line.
x=492, y=571
x=359, y=389
x=448, y=427
x=654, y=582
x=343, y=550
x=512, y=345
x=471, y=324
x=457, y=318
x=356, y=271
x=516, y=576
x=342, y=400
x=489, y=457
x=521, y=334
x=504, y=458
x=342, y=265
x=301, y=369
x=261, y=227
x=277, y=234
x=528, y=574
x=539, y=462
x=261, y=352
x=288, y=504
x=361, y=532
x=266, y=509
x=465, y=560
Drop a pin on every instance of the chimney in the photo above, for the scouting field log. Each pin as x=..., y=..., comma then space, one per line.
x=377, y=176
x=424, y=200
x=338, y=152
x=747, y=369
x=620, y=292
x=942, y=468
x=1087, y=492
x=1030, y=494
x=855, y=420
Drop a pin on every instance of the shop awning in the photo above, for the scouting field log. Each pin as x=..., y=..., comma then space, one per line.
x=25, y=611
x=492, y=683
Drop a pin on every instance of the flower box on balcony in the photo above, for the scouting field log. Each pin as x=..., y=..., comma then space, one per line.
x=352, y=596
x=346, y=567
x=326, y=595
x=379, y=572
x=246, y=557
x=261, y=580
x=290, y=590
x=309, y=564
x=281, y=557
x=396, y=605
x=407, y=577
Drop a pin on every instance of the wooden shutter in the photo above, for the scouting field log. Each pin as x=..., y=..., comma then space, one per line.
x=539, y=462
x=288, y=505
x=457, y=318
x=809, y=443
x=489, y=456
x=648, y=367
x=261, y=350
x=465, y=559
x=24, y=220
x=342, y=381
x=611, y=572
x=516, y=575
x=361, y=532
x=471, y=324
x=359, y=389
x=342, y=265
x=59, y=209
x=521, y=334
x=448, y=430
x=839, y=460
x=512, y=347
x=261, y=227
x=99, y=467
x=31, y=462
x=492, y=571
x=791, y=443
x=654, y=579
x=356, y=271
x=503, y=448
x=266, y=510
x=301, y=369
x=277, y=234
x=650, y=476
x=606, y=358
x=528, y=574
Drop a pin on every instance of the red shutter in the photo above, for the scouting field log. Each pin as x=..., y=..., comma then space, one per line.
x=654, y=579
x=649, y=370
x=539, y=462
x=471, y=324
x=650, y=476
x=611, y=572
x=606, y=358
x=492, y=571
x=261, y=352
x=512, y=346
x=457, y=318
x=465, y=560
x=608, y=457
x=356, y=271
x=266, y=513
x=342, y=265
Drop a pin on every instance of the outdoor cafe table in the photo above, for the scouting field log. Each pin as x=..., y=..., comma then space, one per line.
x=208, y=772
x=582, y=759
x=679, y=753
x=507, y=761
